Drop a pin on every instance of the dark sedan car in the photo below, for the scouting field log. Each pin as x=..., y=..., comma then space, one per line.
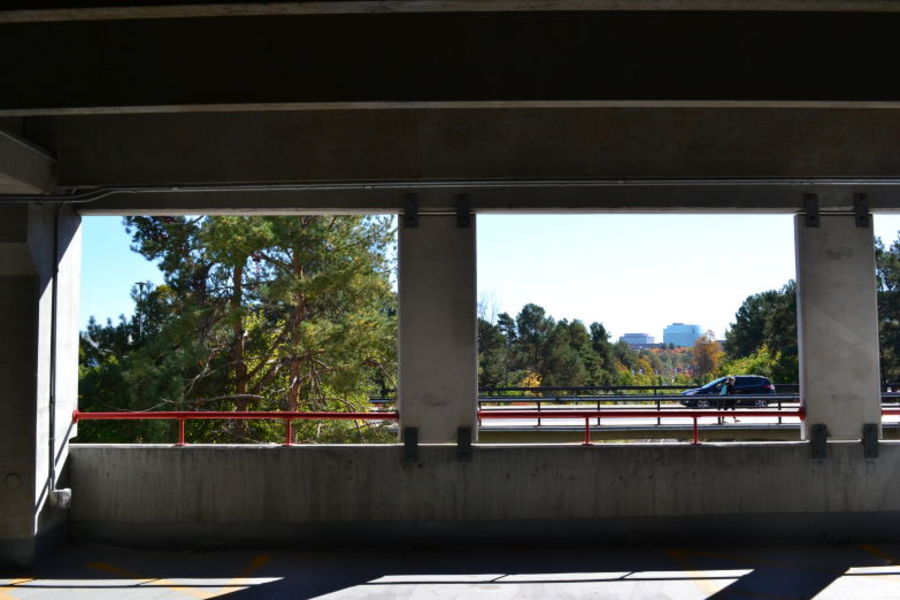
x=748, y=385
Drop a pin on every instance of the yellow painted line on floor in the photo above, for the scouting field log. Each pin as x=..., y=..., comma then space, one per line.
x=255, y=564
x=4, y=588
x=151, y=581
x=878, y=553
x=707, y=587
x=241, y=581
x=680, y=557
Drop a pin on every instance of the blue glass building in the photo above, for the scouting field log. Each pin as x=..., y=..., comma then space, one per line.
x=681, y=334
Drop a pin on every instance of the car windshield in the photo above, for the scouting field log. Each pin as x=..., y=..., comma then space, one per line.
x=713, y=384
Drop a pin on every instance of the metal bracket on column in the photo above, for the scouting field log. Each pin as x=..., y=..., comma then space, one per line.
x=870, y=440
x=464, y=444
x=861, y=210
x=818, y=441
x=410, y=444
x=410, y=211
x=811, y=208
x=463, y=211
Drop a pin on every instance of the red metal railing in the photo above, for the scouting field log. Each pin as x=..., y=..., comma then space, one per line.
x=183, y=416
x=288, y=417
x=624, y=413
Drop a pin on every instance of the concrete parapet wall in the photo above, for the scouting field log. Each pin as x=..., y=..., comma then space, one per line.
x=326, y=495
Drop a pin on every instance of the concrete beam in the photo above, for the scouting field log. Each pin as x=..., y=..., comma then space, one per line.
x=530, y=159
x=153, y=64
x=438, y=354
x=837, y=326
x=438, y=197
x=24, y=168
x=48, y=12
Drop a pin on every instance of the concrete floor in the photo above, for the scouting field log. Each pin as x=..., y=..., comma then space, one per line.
x=840, y=572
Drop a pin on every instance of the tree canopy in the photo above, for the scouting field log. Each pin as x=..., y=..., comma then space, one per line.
x=261, y=313
x=534, y=349
x=887, y=270
x=764, y=335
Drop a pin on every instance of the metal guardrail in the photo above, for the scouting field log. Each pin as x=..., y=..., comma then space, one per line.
x=575, y=390
x=288, y=417
x=598, y=401
x=587, y=415
x=183, y=416
x=780, y=388
x=389, y=395
x=566, y=413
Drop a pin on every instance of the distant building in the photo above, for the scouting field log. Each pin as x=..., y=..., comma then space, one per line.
x=681, y=334
x=637, y=339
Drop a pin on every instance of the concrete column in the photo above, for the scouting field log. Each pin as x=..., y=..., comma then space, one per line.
x=26, y=322
x=438, y=330
x=837, y=326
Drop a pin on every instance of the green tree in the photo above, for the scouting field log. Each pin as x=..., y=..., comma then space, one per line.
x=603, y=349
x=761, y=362
x=536, y=348
x=492, y=355
x=265, y=312
x=768, y=319
x=887, y=270
x=533, y=328
x=569, y=359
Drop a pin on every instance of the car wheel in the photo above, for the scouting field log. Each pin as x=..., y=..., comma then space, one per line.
x=702, y=403
x=760, y=403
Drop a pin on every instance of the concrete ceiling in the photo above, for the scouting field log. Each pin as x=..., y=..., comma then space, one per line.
x=437, y=59
x=439, y=98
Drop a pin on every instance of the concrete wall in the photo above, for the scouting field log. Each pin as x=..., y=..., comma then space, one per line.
x=26, y=320
x=198, y=495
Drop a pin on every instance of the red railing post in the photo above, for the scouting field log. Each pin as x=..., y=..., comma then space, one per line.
x=180, y=432
x=288, y=433
x=696, y=432
x=587, y=432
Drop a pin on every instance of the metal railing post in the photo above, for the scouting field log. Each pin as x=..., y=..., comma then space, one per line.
x=180, y=432
x=587, y=432
x=288, y=432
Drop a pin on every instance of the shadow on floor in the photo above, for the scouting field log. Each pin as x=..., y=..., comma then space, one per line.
x=775, y=572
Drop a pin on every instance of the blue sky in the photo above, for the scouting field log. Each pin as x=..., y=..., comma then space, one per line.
x=633, y=273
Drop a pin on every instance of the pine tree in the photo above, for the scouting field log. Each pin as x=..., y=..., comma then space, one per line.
x=262, y=313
